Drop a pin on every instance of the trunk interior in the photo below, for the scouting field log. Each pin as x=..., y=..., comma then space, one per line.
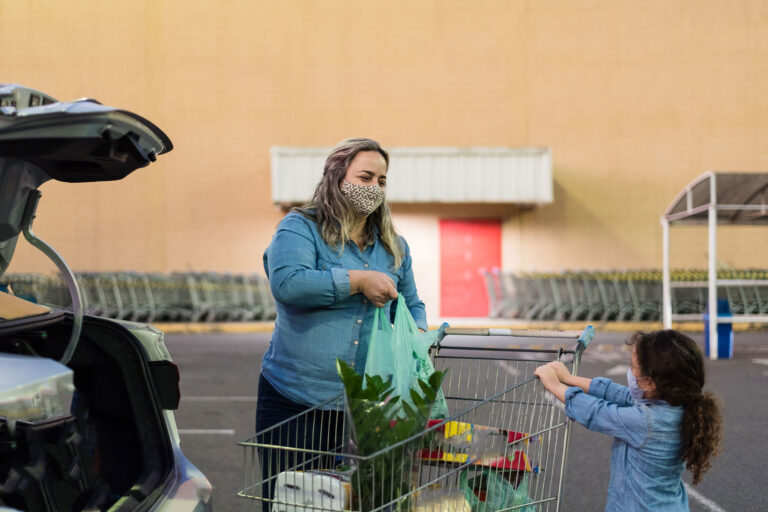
x=112, y=452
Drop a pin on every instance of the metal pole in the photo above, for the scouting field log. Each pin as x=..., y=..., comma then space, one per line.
x=666, y=290
x=712, y=281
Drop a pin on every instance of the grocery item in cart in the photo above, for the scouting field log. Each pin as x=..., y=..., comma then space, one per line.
x=461, y=434
x=299, y=491
x=518, y=462
x=441, y=501
x=487, y=491
x=460, y=442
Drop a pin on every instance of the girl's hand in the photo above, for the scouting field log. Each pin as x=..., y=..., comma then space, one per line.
x=547, y=375
x=560, y=370
x=551, y=383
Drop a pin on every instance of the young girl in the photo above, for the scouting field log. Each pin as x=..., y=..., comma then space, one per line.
x=662, y=423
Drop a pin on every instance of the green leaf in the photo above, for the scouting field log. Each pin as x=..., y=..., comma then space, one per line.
x=436, y=379
x=428, y=392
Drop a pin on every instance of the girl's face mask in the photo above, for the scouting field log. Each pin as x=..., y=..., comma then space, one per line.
x=634, y=389
x=365, y=198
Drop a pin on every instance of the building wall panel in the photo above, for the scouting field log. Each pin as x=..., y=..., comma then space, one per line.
x=634, y=102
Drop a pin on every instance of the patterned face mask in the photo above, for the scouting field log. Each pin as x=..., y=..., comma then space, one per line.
x=365, y=198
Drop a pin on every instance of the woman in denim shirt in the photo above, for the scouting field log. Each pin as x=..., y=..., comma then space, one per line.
x=330, y=264
x=661, y=424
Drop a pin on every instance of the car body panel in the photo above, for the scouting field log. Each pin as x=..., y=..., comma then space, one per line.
x=81, y=140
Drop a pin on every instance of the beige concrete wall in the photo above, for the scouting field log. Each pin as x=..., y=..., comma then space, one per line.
x=635, y=100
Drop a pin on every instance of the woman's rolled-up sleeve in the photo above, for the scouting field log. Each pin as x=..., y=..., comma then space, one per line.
x=290, y=262
x=624, y=421
x=407, y=287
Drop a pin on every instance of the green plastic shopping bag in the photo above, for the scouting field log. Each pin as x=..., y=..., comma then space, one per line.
x=489, y=491
x=401, y=353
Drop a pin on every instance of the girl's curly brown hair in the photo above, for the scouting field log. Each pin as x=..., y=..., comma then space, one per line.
x=675, y=364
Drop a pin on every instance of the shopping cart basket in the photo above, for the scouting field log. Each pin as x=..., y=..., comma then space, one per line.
x=503, y=447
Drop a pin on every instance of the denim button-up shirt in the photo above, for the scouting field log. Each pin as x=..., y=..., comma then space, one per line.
x=646, y=468
x=317, y=318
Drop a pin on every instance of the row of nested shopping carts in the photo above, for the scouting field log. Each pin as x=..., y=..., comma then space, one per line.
x=155, y=297
x=626, y=295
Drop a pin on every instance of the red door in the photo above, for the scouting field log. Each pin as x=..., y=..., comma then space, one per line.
x=466, y=246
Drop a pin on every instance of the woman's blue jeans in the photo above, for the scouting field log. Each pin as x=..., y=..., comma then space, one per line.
x=313, y=430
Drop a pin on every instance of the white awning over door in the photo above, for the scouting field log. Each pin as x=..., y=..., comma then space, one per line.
x=429, y=175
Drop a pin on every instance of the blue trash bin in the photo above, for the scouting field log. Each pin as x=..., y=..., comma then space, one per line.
x=724, y=331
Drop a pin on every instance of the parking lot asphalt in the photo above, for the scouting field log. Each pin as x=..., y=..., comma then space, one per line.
x=219, y=375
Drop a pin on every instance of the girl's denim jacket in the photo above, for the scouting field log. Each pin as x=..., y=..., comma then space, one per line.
x=646, y=468
x=317, y=318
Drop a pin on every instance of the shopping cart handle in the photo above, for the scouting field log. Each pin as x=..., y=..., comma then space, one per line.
x=440, y=334
x=586, y=336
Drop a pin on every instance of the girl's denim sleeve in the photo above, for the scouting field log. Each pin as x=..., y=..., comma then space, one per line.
x=291, y=265
x=609, y=390
x=596, y=411
x=407, y=287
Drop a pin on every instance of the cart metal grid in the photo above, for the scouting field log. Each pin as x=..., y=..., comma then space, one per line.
x=502, y=423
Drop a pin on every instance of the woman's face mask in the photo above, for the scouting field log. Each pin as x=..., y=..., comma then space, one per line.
x=365, y=198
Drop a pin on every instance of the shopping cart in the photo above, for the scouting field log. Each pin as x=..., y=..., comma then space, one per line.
x=504, y=446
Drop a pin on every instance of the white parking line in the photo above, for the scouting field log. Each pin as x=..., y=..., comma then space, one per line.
x=207, y=431
x=605, y=356
x=218, y=398
x=619, y=369
x=763, y=362
x=509, y=368
x=707, y=503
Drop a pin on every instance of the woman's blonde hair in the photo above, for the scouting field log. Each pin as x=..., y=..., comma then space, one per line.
x=334, y=214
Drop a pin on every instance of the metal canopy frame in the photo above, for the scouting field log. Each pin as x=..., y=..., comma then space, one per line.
x=714, y=198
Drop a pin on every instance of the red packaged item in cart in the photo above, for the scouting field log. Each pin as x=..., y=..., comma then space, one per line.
x=460, y=442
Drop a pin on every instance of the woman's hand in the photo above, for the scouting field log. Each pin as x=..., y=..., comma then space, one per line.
x=377, y=287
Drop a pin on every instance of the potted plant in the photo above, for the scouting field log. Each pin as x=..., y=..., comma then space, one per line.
x=380, y=423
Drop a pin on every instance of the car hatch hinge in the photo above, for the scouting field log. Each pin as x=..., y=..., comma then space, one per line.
x=66, y=273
